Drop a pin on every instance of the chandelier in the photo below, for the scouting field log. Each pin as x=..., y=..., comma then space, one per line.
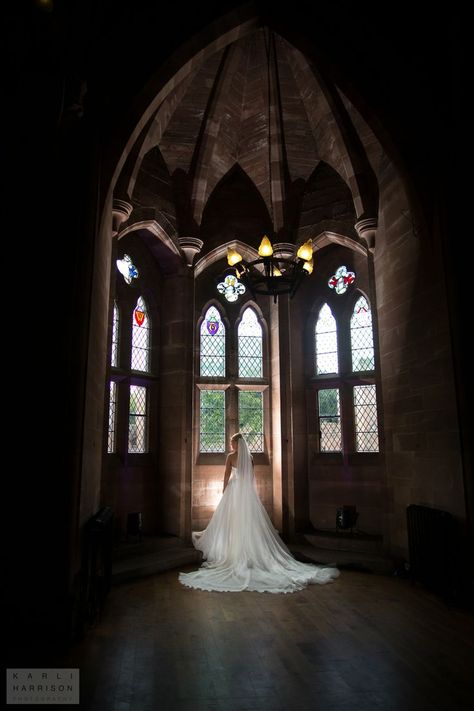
x=272, y=274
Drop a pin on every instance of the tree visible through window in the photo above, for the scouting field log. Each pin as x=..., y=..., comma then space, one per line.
x=326, y=342
x=138, y=420
x=212, y=421
x=330, y=435
x=212, y=354
x=112, y=416
x=251, y=419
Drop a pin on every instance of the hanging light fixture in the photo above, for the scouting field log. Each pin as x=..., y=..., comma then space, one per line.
x=273, y=273
x=276, y=271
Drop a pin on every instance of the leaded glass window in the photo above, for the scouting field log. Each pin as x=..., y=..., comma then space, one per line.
x=138, y=416
x=330, y=435
x=212, y=344
x=115, y=336
x=212, y=421
x=365, y=416
x=112, y=416
x=362, y=339
x=250, y=346
x=140, y=337
x=251, y=418
x=326, y=342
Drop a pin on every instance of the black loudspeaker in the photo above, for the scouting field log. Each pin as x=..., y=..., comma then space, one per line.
x=346, y=517
x=134, y=524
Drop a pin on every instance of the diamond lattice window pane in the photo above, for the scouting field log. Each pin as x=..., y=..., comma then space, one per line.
x=112, y=416
x=330, y=434
x=212, y=345
x=251, y=419
x=365, y=415
x=212, y=421
x=140, y=338
x=115, y=336
x=137, y=425
x=250, y=346
x=362, y=339
x=326, y=342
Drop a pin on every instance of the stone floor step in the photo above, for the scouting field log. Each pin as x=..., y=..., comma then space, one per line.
x=343, y=559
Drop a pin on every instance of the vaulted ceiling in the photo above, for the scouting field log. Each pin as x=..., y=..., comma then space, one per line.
x=257, y=105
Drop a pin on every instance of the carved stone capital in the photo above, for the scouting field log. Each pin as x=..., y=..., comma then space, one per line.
x=190, y=246
x=121, y=211
x=366, y=229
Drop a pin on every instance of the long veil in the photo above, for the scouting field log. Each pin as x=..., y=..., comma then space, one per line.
x=243, y=549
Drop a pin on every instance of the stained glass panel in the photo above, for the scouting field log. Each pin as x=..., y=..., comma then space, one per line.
x=212, y=421
x=250, y=346
x=213, y=344
x=362, y=340
x=140, y=338
x=112, y=416
x=326, y=342
x=330, y=435
x=251, y=419
x=115, y=336
x=137, y=426
x=365, y=415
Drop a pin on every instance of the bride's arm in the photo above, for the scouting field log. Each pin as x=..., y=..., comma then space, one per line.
x=228, y=469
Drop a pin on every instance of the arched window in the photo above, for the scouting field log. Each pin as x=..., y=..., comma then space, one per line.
x=362, y=339
x=212, y=345
x=326, y=342
x=250, y=345
x=114, y=357
x=140, y=337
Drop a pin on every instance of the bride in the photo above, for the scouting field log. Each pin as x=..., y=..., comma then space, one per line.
x=243, y=550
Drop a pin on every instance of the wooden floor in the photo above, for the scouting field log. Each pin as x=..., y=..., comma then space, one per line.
x=363, y=642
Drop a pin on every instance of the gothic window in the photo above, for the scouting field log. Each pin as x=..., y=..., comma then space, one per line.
x=251, y=419
x=250, y=345
x=114, y=358
x=344, y=380
x=212, y=353
x=138, y=420
x=232, y=355
x=112, y=416
x=365, y=416
x=329, y=412
x=140, y=337
x=212, y=421
x=326, y=342
x=362, y=340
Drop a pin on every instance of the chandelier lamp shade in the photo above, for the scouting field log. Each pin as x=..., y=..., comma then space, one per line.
x=274, y=272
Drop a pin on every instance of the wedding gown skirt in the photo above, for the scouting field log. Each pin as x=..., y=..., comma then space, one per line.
x=244, y=551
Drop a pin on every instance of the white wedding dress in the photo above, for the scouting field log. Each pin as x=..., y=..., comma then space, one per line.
x=243, y=550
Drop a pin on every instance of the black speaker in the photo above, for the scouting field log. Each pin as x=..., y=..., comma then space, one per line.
x=346, y=517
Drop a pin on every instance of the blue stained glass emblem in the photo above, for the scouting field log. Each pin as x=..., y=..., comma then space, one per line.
x=127, y=269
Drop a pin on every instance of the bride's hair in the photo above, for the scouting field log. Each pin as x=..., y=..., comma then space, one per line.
x=237, y=435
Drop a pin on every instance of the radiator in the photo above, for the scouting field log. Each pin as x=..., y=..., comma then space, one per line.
x=431, y=547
